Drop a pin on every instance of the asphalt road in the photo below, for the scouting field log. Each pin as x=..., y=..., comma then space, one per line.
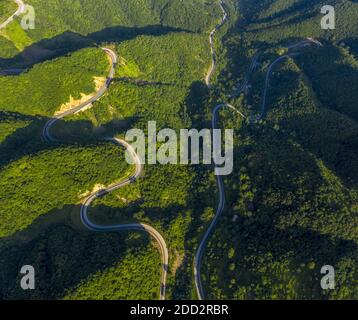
x=221, y=206
x=144, y=227
x=20, y=10
x=291, y=53
x=46, y=130
x=220, y=183
x=128, y=227
x=138, y=172
x=212, y=47
x=267, y=83
x=252, y=67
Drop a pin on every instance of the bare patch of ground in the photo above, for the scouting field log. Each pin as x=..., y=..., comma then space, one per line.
x=124, y=200
x=73, y=103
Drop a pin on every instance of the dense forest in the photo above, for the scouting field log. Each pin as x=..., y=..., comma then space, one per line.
x=7, y=8
x=61, y=20
x=45, y=87
x=291, y=202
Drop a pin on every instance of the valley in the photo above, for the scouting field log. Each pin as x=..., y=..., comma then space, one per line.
x=97, y=228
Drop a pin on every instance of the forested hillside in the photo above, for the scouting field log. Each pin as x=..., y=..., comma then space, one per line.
x=165, y=45
x=67, y=20
x=7, y=8
x=292, y=200
x=45, y=87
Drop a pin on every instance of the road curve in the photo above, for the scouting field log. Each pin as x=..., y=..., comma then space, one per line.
x=20, y=10
x=220, y=209
x=133, y=178
x=201, y=248
x=46, y=130
x=219, y=180
x=252, y=67
x=221, y=206
x=212, y=47
x=128, y=227
x=267, y=83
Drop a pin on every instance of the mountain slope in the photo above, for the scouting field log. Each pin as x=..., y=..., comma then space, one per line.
x=292, y=200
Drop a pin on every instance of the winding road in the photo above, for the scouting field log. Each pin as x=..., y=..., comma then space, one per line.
x=267, y=84
x=219, y=210
x=141, y=227
x=219, y=180
x=19, y=11
x=138, y=172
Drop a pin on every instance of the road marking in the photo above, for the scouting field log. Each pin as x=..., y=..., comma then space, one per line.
x=139, y=168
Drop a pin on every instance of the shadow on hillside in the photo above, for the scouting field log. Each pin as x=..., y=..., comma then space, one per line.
x=28, y=141
x=353, y=45
x=69, y=42
x=328, y=135
x=248, y=11
x=239, y=61
x=329, y=141
x=292, y=21
x=296, y=8
x=320, y=134
x=62, y=256
x=333, y=79
x=267, y=230
x=261, y=247
x=280, y=81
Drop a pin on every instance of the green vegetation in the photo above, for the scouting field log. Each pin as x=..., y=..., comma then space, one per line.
x=91, y=18
x=17, y=36
x=292, y=200
x=35, y=185
x=7, y=8
x=170, y=198
x=121, y=276
x=94, y=266
x=166, y=59
x=172, y=65
x=45, y=87
x=8, y=49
